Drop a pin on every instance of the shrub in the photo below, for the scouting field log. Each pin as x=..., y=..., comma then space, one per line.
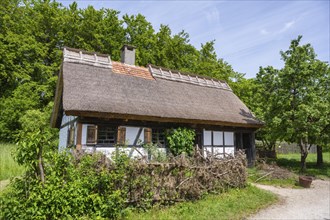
x=93, y=186
x=181, y=140
x=84, y=186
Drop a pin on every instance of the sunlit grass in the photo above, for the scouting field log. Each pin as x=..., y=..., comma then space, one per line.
x=8, y=166
x=234, y=204
x=292, y=162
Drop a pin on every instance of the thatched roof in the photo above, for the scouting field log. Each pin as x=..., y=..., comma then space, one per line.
x=87, y=89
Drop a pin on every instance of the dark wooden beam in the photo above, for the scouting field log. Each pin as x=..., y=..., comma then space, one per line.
x=159, y=119
x=79, y=136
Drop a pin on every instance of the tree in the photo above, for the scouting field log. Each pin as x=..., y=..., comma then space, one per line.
x=36, y=140
x=34, y=32
x=140, y=33
x=298, y=98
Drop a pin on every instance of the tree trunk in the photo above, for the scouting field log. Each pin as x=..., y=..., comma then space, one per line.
x=303, y=162
x=304, y=153
x=319, y=152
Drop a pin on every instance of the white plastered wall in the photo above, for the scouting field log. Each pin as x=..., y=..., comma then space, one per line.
x=67, y=121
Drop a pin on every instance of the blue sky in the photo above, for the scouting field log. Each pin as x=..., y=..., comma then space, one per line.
x=247, y=34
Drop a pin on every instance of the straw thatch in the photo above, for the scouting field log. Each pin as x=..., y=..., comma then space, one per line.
x=90, y=90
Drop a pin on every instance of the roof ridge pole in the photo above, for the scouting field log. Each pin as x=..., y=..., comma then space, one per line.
x=220, y=84
x=150, y=70
x=109, y=60
x=197, y=79
x=171, y=74
x=213, y=82
x=161, y=72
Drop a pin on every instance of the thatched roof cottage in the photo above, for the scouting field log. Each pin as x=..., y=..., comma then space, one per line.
x=100, y=102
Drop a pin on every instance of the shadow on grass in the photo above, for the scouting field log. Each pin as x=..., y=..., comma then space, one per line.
x=312, y=169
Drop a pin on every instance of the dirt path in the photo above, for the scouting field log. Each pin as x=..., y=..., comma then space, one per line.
x=312, y=203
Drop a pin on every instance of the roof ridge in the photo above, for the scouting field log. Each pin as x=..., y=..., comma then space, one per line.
x=187, y=73
x=74, y=55
x=83, y=57
x=160, y=72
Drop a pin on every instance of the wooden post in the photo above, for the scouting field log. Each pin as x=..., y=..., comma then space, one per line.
x=253, y=148
x=79, y=136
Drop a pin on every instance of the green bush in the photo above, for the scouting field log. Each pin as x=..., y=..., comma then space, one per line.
x=72, y=188
x=181, y=140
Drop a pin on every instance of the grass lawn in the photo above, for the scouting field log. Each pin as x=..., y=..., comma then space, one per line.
x=292, y=162
x=256, y=176
x=8, y=167
x=234, y=204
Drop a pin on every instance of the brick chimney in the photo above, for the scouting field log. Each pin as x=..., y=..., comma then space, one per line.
x=128, y=54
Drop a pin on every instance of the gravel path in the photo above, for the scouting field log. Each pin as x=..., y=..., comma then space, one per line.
x=312, y=203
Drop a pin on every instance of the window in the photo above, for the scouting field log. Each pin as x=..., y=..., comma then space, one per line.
x=106, y=135
x=158, y=137
x=91, y=134
x=218, y=138
x=229, y=138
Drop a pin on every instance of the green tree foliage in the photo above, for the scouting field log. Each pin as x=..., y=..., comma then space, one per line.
x=181, y=140
x=36, y=140
x=298, y=99
x=34, y=32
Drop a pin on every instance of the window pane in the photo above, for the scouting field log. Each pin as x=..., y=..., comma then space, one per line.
x=207, y=137
x=132, y=133
x=217, y=138
x=229, y=138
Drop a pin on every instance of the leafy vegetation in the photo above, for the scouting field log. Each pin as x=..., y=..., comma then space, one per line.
x=34, y=32
x=234, y=204
x=68, y=185
x=294, y=101
x=69, y=190
x=8, y=166
x=181, y=140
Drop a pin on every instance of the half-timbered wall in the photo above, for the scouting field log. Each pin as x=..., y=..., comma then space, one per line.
x=213, y=140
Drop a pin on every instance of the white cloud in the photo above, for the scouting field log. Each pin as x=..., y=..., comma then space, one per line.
x=213, y=15
x=287, y=26
x=264, y=32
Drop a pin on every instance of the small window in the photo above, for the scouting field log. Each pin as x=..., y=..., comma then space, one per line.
x=158, y=137
x=106, y=135
x=91, y=134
